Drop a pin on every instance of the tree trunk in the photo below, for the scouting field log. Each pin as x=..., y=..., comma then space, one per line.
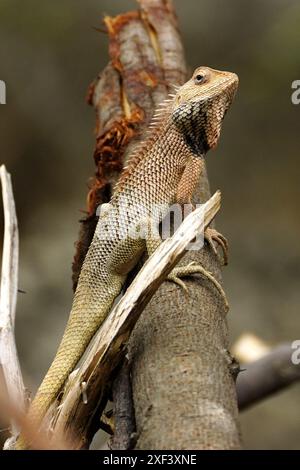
x=182, y=385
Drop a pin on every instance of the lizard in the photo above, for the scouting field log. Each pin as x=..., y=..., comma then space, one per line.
x=164, y=169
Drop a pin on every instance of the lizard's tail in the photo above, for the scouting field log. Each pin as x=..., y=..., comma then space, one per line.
x=86, y=316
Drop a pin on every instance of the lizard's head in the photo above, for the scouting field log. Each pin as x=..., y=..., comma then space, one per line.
x=200, y=105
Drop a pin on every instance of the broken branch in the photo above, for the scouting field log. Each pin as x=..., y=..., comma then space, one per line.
x=75, y=415
x=8, y=299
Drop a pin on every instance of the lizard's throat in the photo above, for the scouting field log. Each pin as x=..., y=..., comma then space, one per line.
x=197, y=143
x=198, y=125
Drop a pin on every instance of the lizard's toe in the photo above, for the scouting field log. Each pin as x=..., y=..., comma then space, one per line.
x=212, y=236
x=174, y=277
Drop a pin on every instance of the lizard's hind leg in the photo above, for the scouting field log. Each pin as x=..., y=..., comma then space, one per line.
x=153, y=241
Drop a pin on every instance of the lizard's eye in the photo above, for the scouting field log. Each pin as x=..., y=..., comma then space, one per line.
x=198, y=79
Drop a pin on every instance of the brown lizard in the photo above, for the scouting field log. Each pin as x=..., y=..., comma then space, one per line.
x=163, y=170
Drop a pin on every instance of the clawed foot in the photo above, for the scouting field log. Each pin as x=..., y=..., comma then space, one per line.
x=212, y=236
x=192, y=268
x=181, y=271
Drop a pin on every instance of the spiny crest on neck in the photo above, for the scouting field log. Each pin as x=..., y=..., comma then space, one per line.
x=154, y=130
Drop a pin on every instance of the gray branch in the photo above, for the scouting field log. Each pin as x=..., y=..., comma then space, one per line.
x=266, y=376
x=87, y=390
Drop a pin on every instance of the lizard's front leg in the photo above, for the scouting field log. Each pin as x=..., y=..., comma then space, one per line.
x=185, y=191
x=211, y=236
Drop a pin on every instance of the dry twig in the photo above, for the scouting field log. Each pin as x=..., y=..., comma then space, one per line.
x=8, y=299
x=87, y=391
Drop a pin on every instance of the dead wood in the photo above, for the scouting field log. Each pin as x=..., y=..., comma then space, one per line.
x=9, y=361
x=87, y=390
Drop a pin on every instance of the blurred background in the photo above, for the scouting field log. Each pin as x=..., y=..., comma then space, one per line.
x=49, y=53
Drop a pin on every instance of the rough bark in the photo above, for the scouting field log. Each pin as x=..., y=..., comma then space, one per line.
x=124, y=416
x=183, y=390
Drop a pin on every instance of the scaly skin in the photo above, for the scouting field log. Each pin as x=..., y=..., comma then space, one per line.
x=163, y=170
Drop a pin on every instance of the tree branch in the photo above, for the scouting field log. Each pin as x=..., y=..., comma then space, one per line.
x=123, y=411
x=266, y=376
x=8, y=298
x=182, y=381
x=183, y=389
x=88, y=389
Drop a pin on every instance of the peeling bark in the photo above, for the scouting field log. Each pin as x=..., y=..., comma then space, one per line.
x=145, y=61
